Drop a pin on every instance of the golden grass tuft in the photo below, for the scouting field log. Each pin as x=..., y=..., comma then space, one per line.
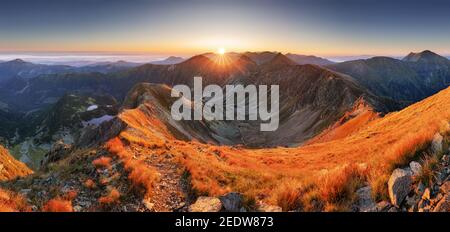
x=102, y=162
x=112, y=197
x=13, y=202
x=58, y=205
x=90, y=184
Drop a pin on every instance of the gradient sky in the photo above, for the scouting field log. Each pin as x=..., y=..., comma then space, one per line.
x=327, y=28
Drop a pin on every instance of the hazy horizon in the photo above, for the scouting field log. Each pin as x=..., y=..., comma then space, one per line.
x=88, y=58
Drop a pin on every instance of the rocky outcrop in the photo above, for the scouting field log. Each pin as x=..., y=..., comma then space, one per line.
x=59, y=151
x=399, y=186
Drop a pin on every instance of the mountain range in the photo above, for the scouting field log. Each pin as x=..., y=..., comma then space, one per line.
x=66, y=121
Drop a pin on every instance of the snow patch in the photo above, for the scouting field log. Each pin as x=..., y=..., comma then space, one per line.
x=98, y=121
x=92, y=107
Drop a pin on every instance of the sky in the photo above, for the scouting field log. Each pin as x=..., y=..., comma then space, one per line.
x=320, y=27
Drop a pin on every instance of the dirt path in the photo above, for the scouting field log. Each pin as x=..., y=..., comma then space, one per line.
x=169, y=193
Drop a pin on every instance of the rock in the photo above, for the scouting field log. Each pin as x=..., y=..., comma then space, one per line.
x=77, y=208
x=436, y=143
x=411, y=201
x=420, y=188
x=445, y=158
x=441, y=177
x=365, y=202
x=426, y=194
x=416, y=168
x=443, y=205
x=262, y=207
x=399, y=185
x=206, y=204
x=58, y=151
x=383, y=206
x=445, y=188
x=232, y=202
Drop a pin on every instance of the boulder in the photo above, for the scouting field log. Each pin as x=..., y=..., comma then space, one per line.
x=436, y=143
x=232, y=202
x=365, y=202
x=399, y=185
x=206, y=204
x=415, y=167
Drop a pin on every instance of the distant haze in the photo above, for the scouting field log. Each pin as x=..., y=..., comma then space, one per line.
x=80, y=59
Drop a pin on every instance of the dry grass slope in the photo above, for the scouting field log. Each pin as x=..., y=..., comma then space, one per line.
x=319, y=176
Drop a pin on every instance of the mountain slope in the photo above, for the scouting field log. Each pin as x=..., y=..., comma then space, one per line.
x=10, y=168
x=415, y=77
x=25, y=69
x=315, y=171
x=303, y=59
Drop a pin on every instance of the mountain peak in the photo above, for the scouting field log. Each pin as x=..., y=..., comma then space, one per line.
x=17, y=61
x=424, y=56
x=281, y=59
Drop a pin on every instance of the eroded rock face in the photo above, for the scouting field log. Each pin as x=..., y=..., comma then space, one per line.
x=232, y=202
x=399, y=186
x=206, y=204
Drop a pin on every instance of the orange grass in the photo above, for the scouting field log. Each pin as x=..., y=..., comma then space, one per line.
x=102, y=162
x=335, y=167
x=112, y=197
x=90, y=184
x=12, y=202
x=58, y=205
x=139, y=174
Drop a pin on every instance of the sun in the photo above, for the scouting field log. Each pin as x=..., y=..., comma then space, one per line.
x=221, y=51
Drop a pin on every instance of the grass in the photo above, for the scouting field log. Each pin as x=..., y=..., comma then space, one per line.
x=58, y=205
x=112, y=197
x=427, y=174
x=102, y=162
x=139, y=174
x=315, y=177
x=13, y=202
x=12, y=168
